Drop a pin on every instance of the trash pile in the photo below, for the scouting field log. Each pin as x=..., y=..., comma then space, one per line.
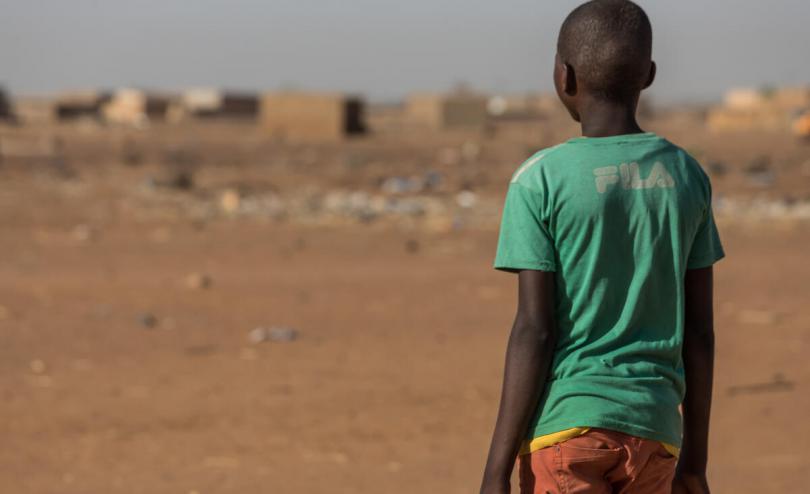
x=397, y=199
x=762, y=209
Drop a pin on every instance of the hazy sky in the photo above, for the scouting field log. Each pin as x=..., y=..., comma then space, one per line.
x=381, y=48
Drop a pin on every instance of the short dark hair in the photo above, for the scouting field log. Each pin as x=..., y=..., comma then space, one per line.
x=609, y=45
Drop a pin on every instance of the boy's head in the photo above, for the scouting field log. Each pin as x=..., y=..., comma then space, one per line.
x=604, y=51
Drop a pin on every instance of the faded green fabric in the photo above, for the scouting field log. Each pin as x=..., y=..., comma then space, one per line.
x=619, y=220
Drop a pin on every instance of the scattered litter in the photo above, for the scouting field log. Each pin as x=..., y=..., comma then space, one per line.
x=396, y=200
x=230, y=201
x=38, y=366
x=405, y=206
x=402, y=185
x=466, y=199
x=717, y=168
x=198, y=281
x=275, y=333
x=147, y=320
x=172, y=179
x=355, y=204
x=760, y=173
x=412, y=246
x=778, y=383
x=263, y=205
x=433, y=180
x=760, y=208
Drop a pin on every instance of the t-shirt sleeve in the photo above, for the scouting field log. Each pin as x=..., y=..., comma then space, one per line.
x=524, y=241
x=706, y=248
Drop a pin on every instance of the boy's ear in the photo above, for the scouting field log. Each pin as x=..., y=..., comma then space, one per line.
x=651, y=77
x=569, y=80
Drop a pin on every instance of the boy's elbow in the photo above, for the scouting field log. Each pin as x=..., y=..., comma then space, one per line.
x=534, y=331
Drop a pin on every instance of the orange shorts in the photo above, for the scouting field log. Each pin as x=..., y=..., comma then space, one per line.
x=599, y=462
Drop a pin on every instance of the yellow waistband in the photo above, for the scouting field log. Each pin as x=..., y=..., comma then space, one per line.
x=557, y=437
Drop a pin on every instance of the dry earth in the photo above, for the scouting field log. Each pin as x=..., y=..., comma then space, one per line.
x=393, y=381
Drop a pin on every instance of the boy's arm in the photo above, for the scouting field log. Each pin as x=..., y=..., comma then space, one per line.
x=698, y=361
x=528, y=358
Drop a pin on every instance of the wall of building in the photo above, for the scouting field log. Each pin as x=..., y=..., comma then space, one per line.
x=6, y=112
x=446, y=111
x=299, y=116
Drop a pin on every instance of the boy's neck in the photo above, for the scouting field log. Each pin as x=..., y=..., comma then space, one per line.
x=600, y=118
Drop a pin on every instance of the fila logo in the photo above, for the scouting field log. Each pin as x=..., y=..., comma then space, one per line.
x=630, y=178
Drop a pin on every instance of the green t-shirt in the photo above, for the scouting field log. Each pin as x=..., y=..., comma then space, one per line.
x=619, y=220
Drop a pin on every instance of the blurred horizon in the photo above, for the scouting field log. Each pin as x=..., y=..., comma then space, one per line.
x=382, y=50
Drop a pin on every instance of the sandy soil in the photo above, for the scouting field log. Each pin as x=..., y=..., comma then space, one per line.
x=118, y=374
x=391, y=386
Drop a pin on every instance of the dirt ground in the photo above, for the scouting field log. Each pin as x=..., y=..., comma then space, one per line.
x=118, y=373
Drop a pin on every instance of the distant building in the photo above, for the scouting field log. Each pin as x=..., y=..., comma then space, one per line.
x=743, y=99
x=447, y=111
x=525, y=106
x=135, y=107
x=752, y=109
x=533, y=106
x=6, y=112
x=792, y=99
x=214, y=103
x=34, y=111
x=307, y=116
x=80, y=105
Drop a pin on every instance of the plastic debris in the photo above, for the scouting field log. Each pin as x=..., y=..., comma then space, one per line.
x=273, y=333
x=198, y=281
x=147, y=320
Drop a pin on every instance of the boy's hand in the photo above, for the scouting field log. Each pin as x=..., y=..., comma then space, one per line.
x=687, y=483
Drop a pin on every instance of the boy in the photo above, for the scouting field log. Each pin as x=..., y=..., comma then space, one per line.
x=613, y=238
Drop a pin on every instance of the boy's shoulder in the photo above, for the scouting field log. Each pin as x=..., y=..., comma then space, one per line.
x=551, y=161
x=677, y=149
x=693, y=166
x=528, y=172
